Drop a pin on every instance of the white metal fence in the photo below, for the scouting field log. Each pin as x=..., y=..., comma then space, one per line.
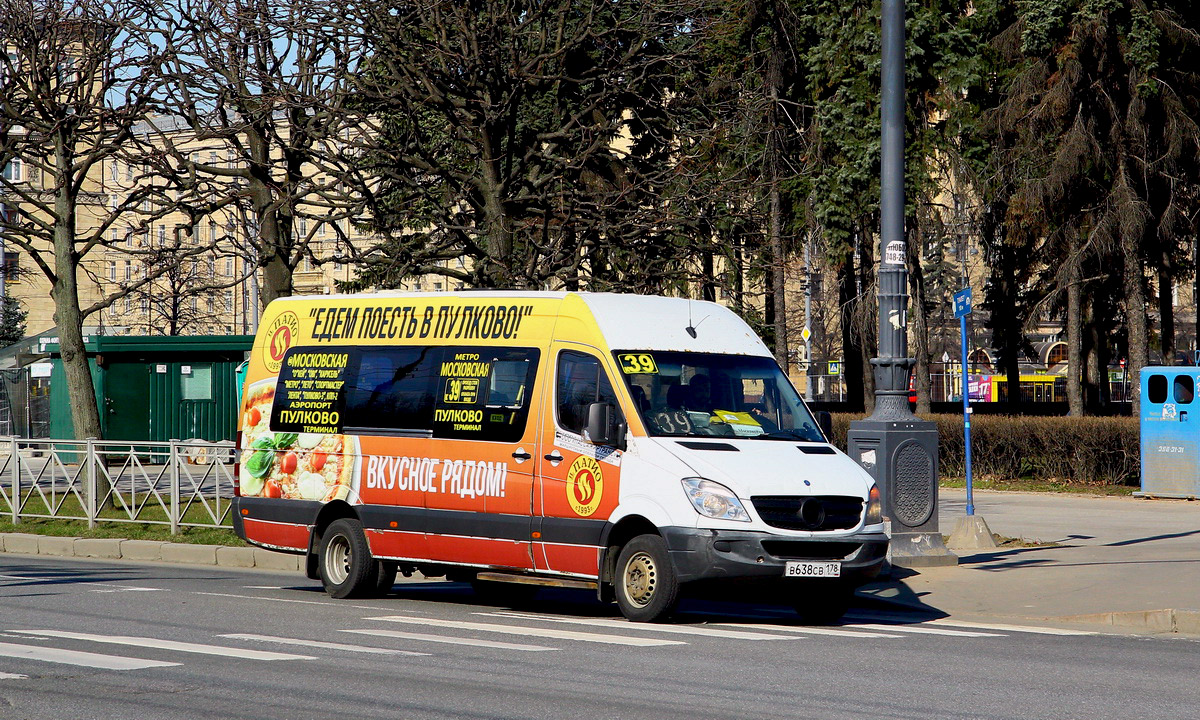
x=185, y=483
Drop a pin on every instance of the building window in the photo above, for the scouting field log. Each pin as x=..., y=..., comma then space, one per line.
x=12, y=266
x=162, y=235
x=128, y=271
x=128, y=304
x=209, y=304
x=228, y=300
x=144, y=304
x=115, y=171
x=14, y=171
x=112, y=270
x=229, y=267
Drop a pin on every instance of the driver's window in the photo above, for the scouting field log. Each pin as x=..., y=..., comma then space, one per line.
x=581, y=382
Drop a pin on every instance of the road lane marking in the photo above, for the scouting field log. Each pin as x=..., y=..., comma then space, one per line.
x=947, y=622
x=148, y=642
x=920, y=630
x=1010, y=628
x=531, y=631
x=449, y=640
x=320, y=644
x=12, y=676
x=76, y=657
x=806, y=630
x=626, y=625
x=260, y=598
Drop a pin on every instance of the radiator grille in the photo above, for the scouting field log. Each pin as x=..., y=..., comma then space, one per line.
x=809, y=512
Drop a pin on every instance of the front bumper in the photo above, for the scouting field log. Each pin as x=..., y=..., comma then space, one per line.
x=702, y=554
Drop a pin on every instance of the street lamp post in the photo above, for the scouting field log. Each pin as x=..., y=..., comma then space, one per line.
x=897, y=448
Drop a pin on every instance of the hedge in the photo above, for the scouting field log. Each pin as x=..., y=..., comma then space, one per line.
x=1089, y=450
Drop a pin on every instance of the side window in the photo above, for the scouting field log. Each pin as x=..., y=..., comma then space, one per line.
x=392, y=389
x=581, y=382
x=484, y=393
x=1156, y=388
x=1185, y=389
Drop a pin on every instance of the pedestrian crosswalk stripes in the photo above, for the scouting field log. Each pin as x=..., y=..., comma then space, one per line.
x=184, y=647
x=423, y=637
x=530, y=631
x=319, y=644
x=428, y=633
x=848, y=633
x=923, y=630
x=76, y=657
x=626, y=625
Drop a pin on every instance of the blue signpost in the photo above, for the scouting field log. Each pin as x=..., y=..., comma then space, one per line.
x=962, y=308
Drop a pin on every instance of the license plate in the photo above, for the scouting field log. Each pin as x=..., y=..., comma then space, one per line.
x=813, y=569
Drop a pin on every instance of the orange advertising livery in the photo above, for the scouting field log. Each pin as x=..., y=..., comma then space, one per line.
x=523, y=439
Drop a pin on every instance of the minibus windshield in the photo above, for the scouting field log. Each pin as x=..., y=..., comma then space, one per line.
x=685, y=394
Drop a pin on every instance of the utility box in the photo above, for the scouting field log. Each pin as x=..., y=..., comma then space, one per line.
x=1170, y=432
x=156, y=388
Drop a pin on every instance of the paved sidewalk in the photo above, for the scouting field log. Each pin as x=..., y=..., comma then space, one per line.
x=1119, y=561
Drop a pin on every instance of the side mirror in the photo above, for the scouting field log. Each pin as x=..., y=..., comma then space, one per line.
x=603, y=427
x=825, y=422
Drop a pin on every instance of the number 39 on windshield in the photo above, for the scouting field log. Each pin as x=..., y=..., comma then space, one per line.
x=638, y=364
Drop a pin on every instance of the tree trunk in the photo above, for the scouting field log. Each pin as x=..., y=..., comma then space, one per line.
x=1074, y=330
x=1135, y=314
x=1166, y=311
x=778, y=278
x=852, y=369
x=868, y=310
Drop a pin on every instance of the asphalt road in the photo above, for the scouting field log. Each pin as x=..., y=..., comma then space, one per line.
x=86, y=639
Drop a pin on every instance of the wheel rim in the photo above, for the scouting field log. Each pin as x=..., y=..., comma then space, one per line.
x=337, y=560
x=641, y=578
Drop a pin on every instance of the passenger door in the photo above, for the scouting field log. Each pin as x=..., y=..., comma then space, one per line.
x=578, y=482
x=484, y=439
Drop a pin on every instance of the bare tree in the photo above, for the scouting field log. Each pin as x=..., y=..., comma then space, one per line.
x=259, y=88
x=76, y=85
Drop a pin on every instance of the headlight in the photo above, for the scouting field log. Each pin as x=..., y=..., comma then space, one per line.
x=874, y=514
x=714, y=500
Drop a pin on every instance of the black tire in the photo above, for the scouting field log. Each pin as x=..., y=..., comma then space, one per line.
x=344, y=561
x=818, y=604
x=512, y=595
x=645, y=583
x=385, y=577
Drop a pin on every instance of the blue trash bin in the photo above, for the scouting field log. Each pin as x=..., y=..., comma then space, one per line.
x=1170, y=432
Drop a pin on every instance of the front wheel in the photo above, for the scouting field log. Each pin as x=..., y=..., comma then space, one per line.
x=345, y=563
x=647, y=587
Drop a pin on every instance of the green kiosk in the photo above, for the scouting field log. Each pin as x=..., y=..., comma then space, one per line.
x=157, y=388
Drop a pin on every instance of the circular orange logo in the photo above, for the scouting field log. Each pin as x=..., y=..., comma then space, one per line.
x=279, y=338
x=585, y=485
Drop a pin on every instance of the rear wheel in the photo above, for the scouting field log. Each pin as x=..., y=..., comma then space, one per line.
x=646, y=585
x=345, y=563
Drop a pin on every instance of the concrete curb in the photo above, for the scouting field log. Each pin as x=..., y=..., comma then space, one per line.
x=149, y=551
x=1167, y=620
